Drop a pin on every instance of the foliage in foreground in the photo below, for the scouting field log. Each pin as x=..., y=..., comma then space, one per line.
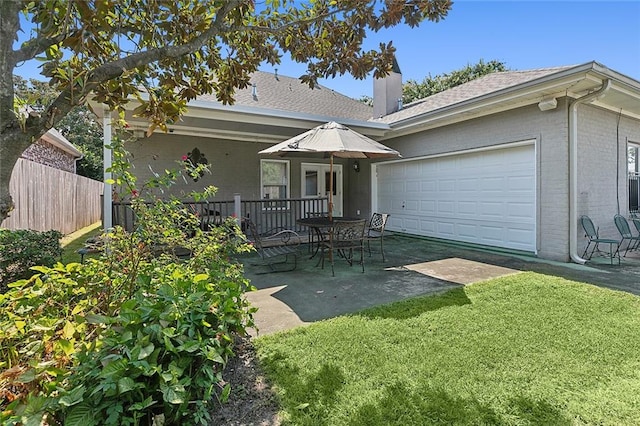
x=137, y=336
x=519, y=350
x=22, y=249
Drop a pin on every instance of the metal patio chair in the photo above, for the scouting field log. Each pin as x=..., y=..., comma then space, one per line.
x=272, y=247
x=625, y=232
x=345, y=237
x=375, y=231
x=591, y=232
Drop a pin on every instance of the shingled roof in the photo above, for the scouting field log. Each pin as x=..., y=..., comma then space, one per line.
x=277, y=92
x=485, y=85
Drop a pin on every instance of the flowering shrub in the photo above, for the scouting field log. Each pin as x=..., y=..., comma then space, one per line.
x=137, y=336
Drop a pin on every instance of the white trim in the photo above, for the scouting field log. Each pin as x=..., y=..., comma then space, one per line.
x=462, y=152
x=107, y=201
x=288, y=181
x=338, y=183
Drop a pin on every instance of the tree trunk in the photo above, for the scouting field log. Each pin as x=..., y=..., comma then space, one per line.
x=9, y=151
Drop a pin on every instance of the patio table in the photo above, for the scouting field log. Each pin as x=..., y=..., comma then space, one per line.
x=319, y=223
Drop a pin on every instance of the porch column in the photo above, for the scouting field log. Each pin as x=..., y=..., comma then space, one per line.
x=107, y=199
x=237, y=208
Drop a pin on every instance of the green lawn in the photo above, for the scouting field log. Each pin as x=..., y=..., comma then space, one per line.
x=527, y=349
x=71, y=246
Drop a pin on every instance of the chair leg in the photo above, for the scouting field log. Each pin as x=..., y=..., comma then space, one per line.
x=382, y=249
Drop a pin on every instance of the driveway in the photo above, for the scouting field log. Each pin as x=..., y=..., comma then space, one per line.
x=413, y=267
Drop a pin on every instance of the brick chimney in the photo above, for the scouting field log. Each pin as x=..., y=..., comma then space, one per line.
x=387, y=92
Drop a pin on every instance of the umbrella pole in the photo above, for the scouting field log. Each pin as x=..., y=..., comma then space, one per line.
x=331, y=187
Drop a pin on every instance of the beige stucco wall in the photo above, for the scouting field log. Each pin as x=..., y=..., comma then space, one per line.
x=235, y=165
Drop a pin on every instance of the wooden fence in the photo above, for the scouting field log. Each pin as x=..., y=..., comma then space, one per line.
x=46, y=198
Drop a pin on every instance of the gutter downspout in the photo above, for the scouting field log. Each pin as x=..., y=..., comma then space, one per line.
x=573, y=168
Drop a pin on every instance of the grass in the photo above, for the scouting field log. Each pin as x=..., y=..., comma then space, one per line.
x=520, y=350
x=73, y=242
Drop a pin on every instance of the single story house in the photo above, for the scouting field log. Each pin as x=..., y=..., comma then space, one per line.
x=510, y=160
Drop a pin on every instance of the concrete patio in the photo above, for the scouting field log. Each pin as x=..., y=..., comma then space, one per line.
x=413, y=267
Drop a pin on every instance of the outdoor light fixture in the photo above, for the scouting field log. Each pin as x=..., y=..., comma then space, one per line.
x=356, y=166
x=548, y=104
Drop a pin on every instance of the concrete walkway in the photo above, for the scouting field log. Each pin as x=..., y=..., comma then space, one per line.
x=414, y=267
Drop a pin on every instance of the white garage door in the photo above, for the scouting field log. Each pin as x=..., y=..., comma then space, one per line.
x=485, y=197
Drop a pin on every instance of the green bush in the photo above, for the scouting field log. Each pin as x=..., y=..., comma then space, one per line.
x=136, y=336
x=162, y=356
x=22, y=249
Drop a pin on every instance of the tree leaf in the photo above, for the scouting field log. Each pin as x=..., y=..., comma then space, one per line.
x=73, y=397
x=66, y=346
x=173, y=394
x=68, y=330
x=125, y=384
x=146, y=351
x=139, y=406
x=81, y=415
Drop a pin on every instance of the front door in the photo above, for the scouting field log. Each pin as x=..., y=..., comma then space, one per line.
x=315, y=183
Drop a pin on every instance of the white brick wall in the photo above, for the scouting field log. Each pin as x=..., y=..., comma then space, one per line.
x=597, y=163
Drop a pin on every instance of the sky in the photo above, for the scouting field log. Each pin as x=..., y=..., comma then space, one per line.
x=521, y=34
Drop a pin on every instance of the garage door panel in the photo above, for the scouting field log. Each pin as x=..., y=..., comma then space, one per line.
x=445, y=207
x=520, y=183
x=467, y=209
x=484, y=198
x=491, y=210
x=446, y=229
x=428, y=207
x=428, y=185
x=427, y=227
x=412, y=186
x=446, y=185
x=516, y=211
x=467, y=232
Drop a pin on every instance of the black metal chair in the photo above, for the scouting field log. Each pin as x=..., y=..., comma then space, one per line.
x=625, y=231
x=594, y=239
x=273, y=246
x=344, y=238
x=375, y=231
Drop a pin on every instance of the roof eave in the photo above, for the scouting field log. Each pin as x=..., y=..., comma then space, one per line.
x=558, y=84
x=55, y=138
x=215, y=111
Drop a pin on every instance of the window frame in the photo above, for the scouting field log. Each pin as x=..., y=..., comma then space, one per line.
x=268, y=203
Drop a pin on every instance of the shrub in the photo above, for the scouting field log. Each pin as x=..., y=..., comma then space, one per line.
x=137, y=336
x=22, y=249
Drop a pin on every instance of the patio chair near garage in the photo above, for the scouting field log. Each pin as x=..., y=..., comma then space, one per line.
x=275, y=247
x=375, y=231
x=591, y=232
x=345, y=237
x=625, y=231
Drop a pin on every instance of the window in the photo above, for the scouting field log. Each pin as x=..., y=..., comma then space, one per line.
x=274, y=181
x=633, y=168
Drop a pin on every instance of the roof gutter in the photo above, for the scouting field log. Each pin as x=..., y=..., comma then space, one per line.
x=573, y=167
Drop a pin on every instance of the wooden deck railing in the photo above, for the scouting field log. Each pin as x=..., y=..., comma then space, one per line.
x=266, y=214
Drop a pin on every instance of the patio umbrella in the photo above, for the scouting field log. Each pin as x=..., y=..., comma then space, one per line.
x=332, y=140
